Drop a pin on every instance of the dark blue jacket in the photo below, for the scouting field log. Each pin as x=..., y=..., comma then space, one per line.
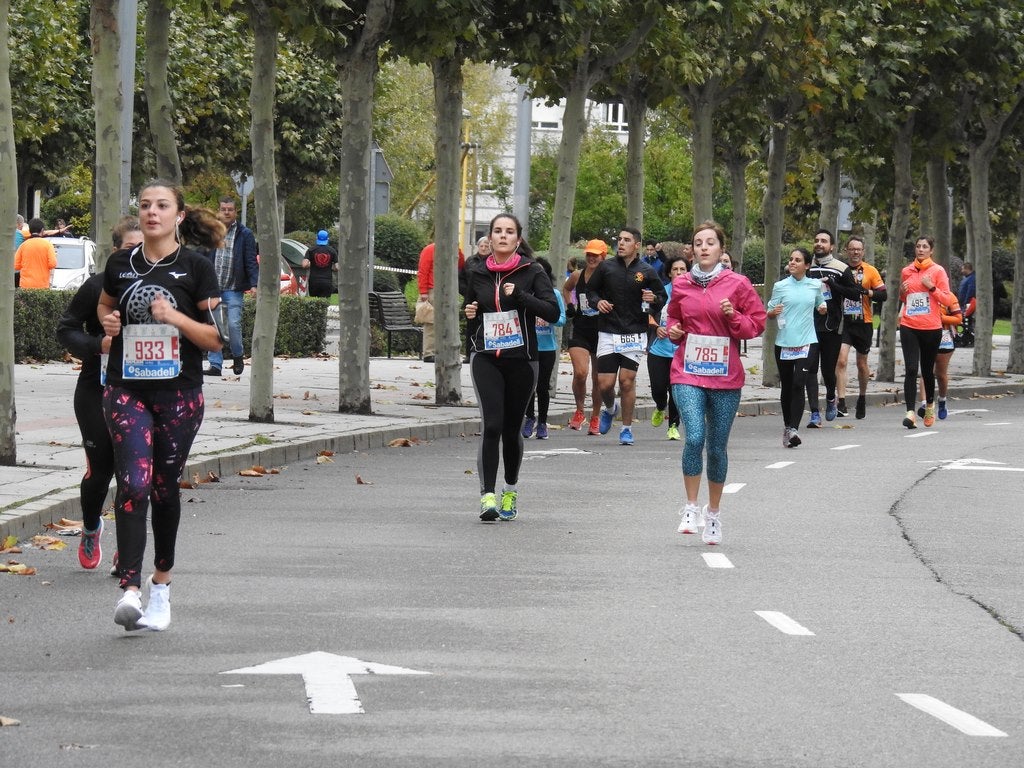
x=245, y=267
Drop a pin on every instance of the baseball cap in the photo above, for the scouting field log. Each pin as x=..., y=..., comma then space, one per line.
x=321, y=237
x=599, y=247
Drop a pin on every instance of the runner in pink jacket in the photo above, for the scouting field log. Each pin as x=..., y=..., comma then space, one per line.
x=710, y=311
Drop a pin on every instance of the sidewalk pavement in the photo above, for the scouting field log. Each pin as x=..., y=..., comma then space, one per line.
x=43, y=486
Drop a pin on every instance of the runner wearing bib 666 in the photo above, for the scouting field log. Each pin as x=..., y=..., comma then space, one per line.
x=628, y=293
x=711, y=310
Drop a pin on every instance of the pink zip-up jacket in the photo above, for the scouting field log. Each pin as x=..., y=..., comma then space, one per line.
x=698, y=310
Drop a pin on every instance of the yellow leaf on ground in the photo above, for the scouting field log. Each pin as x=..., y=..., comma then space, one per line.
x=48, y=542
x=10, y=541
x=6, y=721
x=324, y=460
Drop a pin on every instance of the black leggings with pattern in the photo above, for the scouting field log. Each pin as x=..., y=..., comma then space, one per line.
x=152, y=433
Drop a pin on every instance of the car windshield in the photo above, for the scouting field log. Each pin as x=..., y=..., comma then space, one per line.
x=70, y=255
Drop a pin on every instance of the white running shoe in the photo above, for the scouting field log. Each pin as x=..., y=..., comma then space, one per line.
x=691, y=519
x=128, y=611
x=712, y=530
x=158, y=610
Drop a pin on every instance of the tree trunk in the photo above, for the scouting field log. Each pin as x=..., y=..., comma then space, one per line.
x=574, y=126
x=447, y=151
x=828, y=216
x=979, y=159
x=635, y=102
x=262, y=95
x=940, y=224
x=8, y=210
x=771, y=215
x=358, y=67
x=737, y=165
x=702, y=106
x=903, y=189
x=1016, y=362
x=107, y=97
x=158, y=92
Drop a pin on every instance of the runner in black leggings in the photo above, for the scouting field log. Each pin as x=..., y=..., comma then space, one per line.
x=157, y=305
x=80, y=332
x=504, y=296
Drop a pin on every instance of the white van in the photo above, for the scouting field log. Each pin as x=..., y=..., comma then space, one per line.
x=76, y=261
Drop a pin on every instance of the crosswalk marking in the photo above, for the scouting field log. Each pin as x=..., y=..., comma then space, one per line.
x=783, y=623
x=962, y=721
x=717, y=560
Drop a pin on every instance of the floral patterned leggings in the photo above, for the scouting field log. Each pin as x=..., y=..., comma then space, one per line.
x=152, y=433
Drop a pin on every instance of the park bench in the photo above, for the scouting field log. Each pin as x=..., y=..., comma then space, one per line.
x=390, y=310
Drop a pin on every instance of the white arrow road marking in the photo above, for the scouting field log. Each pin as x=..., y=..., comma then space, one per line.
x=844, y=447
x=733, y=488
x=978, y=464
x=779, y=465
x=716, y=560
x=962, y=721
x=329, y=687
x=783, y=623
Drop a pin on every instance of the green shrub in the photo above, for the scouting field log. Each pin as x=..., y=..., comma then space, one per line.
x=35, y=323
x=398, y=241
x=301, y=326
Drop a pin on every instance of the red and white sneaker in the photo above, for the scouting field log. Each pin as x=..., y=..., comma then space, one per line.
x=89, y=550
x=577, y=420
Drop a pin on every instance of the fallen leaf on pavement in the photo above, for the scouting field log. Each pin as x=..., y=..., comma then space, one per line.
x=325, y=453
x=404, y=442
x=8, y=542
x=48, y=542
x=283, y=396
x=5, y=721
x=324, y=459
x=18, y=569
x=254, y=471
x=422, y=396
x=360, y=481
x=64, y=525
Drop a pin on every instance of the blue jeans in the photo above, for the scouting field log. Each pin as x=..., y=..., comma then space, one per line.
x=231, y=301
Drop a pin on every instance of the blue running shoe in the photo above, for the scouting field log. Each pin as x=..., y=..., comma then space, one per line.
x=607, y=417
x=528, y=424
x=626, y=436
x=943, y=413
x=815, y=422
x=831, y=410
x=508, y=509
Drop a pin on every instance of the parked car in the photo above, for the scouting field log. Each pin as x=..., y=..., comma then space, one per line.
x=289, y=283
x=76, y=261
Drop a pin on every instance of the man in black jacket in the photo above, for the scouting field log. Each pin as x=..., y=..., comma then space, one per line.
x=837, y=283
x=627, y=293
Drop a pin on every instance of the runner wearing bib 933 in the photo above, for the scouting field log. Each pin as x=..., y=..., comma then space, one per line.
x=712, y=309
x=628, y=293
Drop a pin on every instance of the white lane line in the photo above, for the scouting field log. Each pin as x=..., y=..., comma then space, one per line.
x=779, y=464
x=920, y=434
x=845, y=447
x=733, y=487
x=716, y=560
x=997, y=424
x=984, y=469
x=783, y=623
x=967, y=410
x=962, y=721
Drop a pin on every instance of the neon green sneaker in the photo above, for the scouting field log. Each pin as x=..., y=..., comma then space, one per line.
x=488, y=508
x=657, y=418
x=673, y=433
x=508, y=509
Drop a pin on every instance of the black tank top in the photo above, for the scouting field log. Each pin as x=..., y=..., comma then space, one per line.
x=586, y=317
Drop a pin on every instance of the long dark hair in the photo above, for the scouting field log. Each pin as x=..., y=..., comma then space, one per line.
x=524, y=247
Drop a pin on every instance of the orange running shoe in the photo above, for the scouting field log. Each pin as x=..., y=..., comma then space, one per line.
x=577, y=420
x=595, y=426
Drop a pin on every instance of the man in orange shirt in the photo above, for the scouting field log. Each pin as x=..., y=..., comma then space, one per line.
x=425, y=303
x=36, y=259
x=858, y=325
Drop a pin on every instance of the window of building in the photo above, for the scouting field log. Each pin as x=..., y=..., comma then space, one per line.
x=615, y=117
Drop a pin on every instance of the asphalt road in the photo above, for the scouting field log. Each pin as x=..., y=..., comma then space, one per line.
x=872, y=614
